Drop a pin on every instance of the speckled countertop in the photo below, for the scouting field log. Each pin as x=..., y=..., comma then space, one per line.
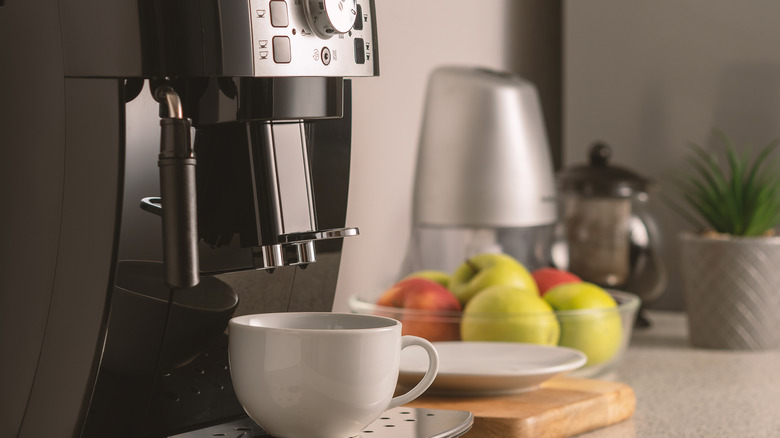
x=688, y=392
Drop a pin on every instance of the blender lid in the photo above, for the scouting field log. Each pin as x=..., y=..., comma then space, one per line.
x=600, y=178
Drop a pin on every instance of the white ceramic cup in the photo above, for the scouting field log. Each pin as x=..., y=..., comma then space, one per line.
x=319, y=374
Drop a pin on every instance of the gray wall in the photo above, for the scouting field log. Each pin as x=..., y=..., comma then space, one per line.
x=647, y=77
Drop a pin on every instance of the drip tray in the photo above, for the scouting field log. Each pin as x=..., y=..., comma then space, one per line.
x=400, y=422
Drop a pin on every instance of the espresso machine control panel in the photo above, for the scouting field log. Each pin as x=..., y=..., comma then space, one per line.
x=328, y=38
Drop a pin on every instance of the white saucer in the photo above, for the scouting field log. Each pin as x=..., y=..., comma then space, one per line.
x=488, y=368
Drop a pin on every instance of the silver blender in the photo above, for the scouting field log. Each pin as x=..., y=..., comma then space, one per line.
x=484, y=177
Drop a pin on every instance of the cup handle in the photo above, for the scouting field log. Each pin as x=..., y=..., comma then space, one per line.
x=433, y=369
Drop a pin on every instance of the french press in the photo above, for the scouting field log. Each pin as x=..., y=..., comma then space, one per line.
x=610, y=236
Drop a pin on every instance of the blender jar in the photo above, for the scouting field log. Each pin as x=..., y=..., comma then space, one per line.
x=444, y=248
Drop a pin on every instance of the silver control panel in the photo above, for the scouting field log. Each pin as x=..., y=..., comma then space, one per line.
x=313, y=38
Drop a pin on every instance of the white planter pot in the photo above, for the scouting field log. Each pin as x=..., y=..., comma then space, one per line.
x=732, y=291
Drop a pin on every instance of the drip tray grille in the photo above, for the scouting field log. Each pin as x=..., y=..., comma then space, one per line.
x=400, y=422
x=419, y=423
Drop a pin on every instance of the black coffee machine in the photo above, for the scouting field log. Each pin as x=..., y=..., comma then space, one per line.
x=161, y=158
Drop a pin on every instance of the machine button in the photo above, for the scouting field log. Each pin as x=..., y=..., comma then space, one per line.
x=358, y=19
x=325, y=55
x=282, y=53
x=279, y=13
x=360, y=53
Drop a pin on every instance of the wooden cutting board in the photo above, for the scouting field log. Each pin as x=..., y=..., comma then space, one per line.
x=562, y=407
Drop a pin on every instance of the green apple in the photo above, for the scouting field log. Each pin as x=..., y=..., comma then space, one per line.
x=509, y=314
x=485, y=270
x=440, y=277
x=597, y=334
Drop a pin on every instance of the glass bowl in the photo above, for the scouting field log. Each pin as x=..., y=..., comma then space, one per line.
x=602, y=334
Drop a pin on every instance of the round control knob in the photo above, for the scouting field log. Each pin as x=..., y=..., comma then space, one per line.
x=330, y=17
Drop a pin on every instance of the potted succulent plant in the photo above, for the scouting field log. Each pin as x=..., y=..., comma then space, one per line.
x=730, y=264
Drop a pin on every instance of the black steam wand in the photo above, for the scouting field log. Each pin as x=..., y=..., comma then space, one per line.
x=177, y=190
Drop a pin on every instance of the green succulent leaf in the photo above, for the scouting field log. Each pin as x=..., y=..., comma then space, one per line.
x=738, y=196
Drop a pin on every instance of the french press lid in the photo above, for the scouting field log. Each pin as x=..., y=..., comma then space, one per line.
x=599, y=178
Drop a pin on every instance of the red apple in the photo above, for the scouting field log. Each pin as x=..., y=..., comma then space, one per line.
x=419, y=295
x=548, y=278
